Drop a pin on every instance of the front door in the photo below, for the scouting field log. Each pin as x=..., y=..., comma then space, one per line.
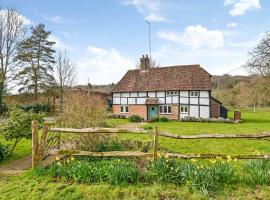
x=152, y=111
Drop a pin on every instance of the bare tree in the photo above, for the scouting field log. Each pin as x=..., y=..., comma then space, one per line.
x=65, y=73
x=259, y=59
x=12, y=32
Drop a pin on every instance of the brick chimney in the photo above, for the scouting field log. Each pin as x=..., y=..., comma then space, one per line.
x=145, y=63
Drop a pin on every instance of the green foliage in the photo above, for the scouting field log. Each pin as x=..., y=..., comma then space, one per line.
x=159, y=119
x=209, y=120
x=206, y=179
x=257, y=172
x=113, y=171
x=4, y=152
x=116, y=116
x=36, y=54
x=147, y=127
x=135, y=118
x=121, y=171
x=18, y=125
x=37, y=108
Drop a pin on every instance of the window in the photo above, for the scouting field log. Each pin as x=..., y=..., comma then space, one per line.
x=194, y=93
x=171, y=93
x=184, y=109
x=165, y=109
x=124, y=109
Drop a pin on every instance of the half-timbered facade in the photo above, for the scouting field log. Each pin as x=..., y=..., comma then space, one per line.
x=174, y=92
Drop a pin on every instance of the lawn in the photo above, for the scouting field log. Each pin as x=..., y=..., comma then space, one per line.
x=29, y=186
x=252, y=123
x=22, y=150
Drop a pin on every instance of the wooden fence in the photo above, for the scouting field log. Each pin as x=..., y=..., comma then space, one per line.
x=50, y=144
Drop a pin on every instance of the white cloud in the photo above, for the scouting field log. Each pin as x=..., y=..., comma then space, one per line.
x=151, y=9
x=155, y=18
x=59, y=44
x=232, y=25
x=103, y=65
x=242, y=6
x=195, y=37
x=25, y=20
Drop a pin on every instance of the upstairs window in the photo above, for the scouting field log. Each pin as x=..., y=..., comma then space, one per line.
x=165, y=109
x=194, y=93
x=171, y=93
x=124, y=109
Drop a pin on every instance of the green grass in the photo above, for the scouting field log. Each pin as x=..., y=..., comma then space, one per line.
x=22, y=150
x=29, y=186
x=252, y=123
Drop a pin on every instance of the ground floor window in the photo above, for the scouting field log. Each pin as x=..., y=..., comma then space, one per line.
x=165, y=109
x=124, y=109
x=184, y=109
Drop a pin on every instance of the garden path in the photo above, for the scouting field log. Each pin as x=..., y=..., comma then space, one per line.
x=16, y=166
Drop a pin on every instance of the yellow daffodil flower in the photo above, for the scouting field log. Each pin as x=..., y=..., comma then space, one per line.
x=58, y=163
x=57, y=158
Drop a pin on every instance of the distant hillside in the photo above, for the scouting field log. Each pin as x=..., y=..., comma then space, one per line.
x=227, y=81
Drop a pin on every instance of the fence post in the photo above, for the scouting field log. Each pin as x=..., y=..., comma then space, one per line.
x=58, y=141
x=34, y=142
x=155, y=143
x=43, y=141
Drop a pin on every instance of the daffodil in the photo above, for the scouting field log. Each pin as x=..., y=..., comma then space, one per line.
x=58, y=163
x=68, y=161
x=193, y=160
x=158, y=154
x=213, y=161
x=57, y=158
x=229, y=158
x=235, y=160
x=72, y=158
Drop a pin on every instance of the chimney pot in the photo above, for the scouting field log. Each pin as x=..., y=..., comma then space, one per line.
x=145, y=63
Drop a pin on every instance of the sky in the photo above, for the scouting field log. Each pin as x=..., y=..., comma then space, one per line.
x=105, y=38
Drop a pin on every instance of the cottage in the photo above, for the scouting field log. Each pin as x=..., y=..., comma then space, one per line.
x=174, y=92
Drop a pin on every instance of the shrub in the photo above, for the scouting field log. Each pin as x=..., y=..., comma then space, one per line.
x=147, y=127
x=257, y=172
x=135, y=118
x=209, y=120
x=159, y=119
x=37, y=108
x=4, y=152
x=18, y=125
x=164, y=119
x=82, y=111
x=116, y=116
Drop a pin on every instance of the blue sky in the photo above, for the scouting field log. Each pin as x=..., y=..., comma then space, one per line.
x=105, y=38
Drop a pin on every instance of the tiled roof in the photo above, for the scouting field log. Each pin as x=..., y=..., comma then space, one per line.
x=182, y=77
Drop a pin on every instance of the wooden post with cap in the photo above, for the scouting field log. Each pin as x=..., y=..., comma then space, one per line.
x=34, y=142
x=155, y=143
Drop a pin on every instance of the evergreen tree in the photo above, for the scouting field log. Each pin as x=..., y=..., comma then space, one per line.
x=36, y=55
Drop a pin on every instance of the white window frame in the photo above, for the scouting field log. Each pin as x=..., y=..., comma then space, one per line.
x=125, y=109
x=171, y=93
x=194, y=93
x=162, y=108
x=185, y=108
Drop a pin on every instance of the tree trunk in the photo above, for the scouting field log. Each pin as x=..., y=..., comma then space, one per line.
x=14, y=145
x=1, y=98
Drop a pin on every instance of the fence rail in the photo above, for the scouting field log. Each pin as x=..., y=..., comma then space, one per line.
x=51, y=144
